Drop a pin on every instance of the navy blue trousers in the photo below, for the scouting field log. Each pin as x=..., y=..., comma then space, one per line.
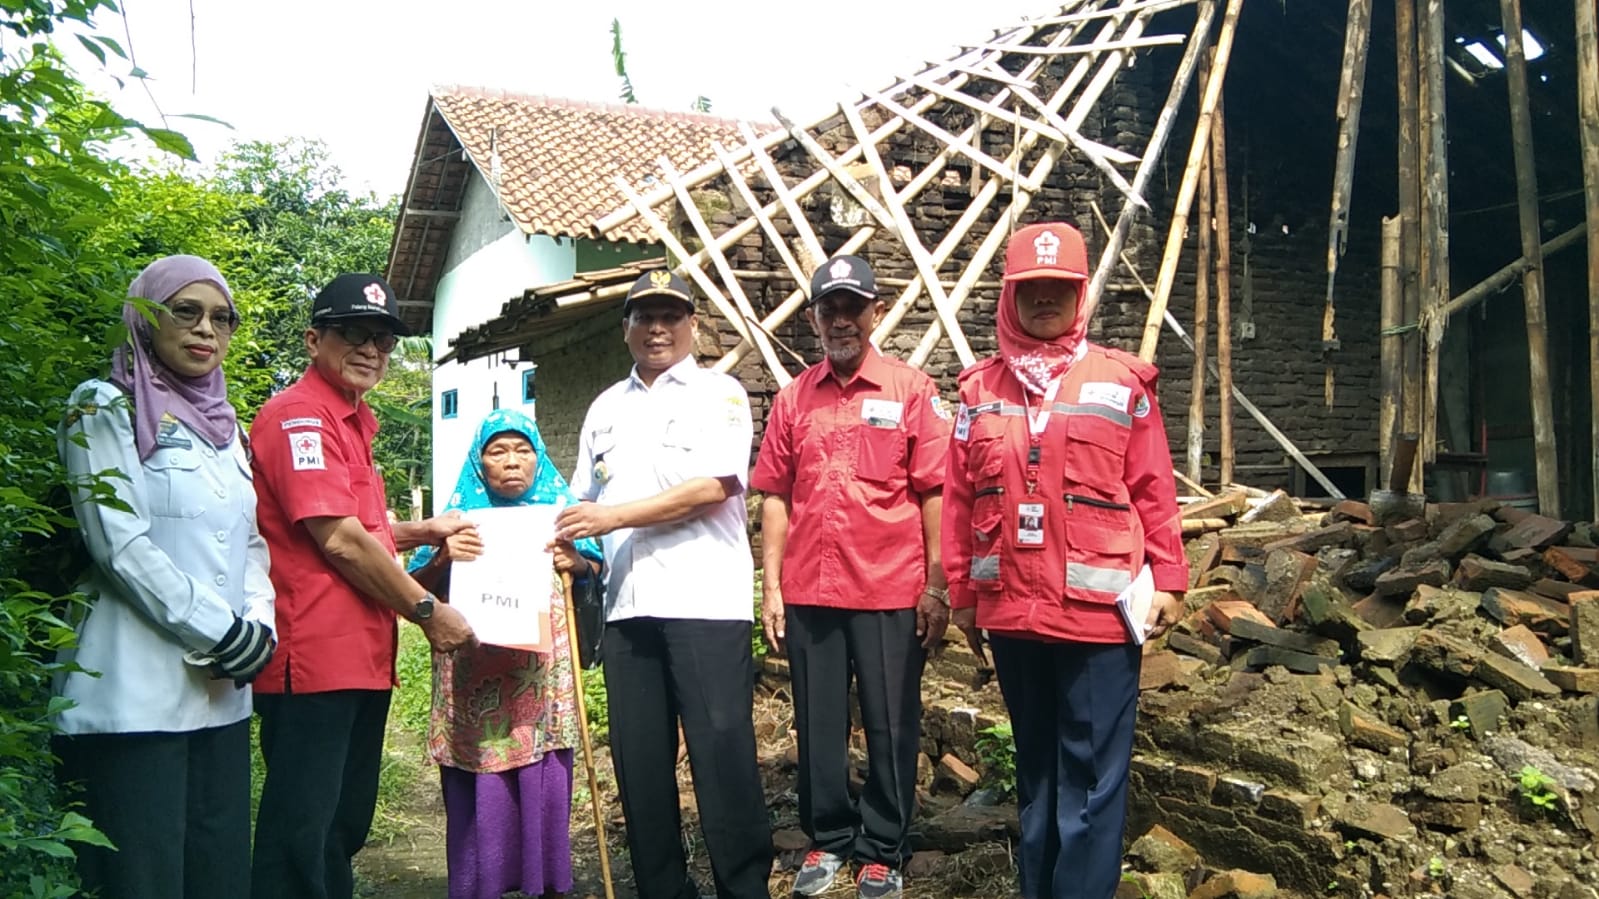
x=1072, y=707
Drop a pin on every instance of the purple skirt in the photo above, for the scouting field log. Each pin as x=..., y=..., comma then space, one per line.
x=509, y=831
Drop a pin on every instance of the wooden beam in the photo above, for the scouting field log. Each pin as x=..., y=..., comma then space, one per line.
x=1196, y=384
x=1185, y=192
x=1351, y=90
x=1159, y=40
x=947, y=312
x=1191, y=484
x=1260, y=418
x=751, y=329
x=951, y=141
x=1501, y=279
x=1094, y=151
x=1390, y=367
x=1224, y=293
x=1409, y=169
x=833, y=167
x=1154, y=151
x=757, y=209
x=1021, y=197
x=1543, y=417
x=1144, y=6
x=446, y=214
x=1431, y=38
x=1588, y=115
x=676, y=248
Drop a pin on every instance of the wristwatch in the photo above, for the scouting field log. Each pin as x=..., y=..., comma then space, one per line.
x=939, y=593
x=423, y=610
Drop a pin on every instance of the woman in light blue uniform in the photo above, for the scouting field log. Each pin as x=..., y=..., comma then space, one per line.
x=179, y=619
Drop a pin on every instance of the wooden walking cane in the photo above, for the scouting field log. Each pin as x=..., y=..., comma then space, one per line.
x=583, y=734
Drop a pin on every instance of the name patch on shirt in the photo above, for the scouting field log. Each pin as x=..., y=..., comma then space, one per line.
x=963, y=422
x=169, y=436
x=882, y=413
x=289, y=424
x=1107, y=394
x=306, y=447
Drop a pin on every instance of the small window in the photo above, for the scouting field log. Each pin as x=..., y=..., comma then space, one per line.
x=527, y=385
x=447, y=404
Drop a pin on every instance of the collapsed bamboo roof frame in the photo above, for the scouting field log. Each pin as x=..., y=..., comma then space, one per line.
x=1000, y=81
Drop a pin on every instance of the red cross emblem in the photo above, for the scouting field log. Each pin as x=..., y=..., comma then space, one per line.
x=374, y=294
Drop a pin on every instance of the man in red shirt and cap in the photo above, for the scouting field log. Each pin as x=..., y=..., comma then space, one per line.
x=324, y=698
x=852, y=465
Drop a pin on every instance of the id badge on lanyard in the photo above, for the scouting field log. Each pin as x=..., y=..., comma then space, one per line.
x=1030, y=511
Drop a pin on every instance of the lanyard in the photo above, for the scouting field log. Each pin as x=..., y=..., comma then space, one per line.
x=1037, y=422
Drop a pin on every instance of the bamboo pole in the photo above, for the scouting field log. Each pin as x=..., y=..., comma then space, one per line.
x=1351, y=89
x=1153, y=153
x=1260, y=418
x=1390, y=369
x=1202, y=255
x=1000, y=232
x=745, y=193
x=1185, y=192
x=1500, y=279
x=583, y=735
x=1021, y=197
x=1137, y=43
x=950, y=141
x=1434, y=212
x=676, y=248
x=1224, y=293
x=708, y=170
x=741, y=303
x=1191, y=484
x=1543, y=418
x=947, y=313
x=1588, y=113
x=1409, y=168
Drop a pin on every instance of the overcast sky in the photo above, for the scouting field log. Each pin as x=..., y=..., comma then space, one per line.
x=355, y=73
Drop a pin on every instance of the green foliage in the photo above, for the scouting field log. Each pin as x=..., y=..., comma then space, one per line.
x=619, y=59
x=996, y=746
x=403, y=401
x=413, y=699
x=596, y=705
x=1461, y=723
x=1538, y=788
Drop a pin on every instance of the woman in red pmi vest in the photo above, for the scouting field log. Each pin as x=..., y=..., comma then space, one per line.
x=1059, y=495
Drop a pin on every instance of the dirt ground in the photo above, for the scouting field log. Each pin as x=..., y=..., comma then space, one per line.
x=412, y=864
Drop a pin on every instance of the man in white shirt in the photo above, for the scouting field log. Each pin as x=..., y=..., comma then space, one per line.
x=662, y=467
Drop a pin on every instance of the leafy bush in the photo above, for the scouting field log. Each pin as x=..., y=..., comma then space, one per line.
x=996, y=746
x=1538, y=789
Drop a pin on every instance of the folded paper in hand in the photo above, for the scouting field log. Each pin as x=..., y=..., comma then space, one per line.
x=1134, y=604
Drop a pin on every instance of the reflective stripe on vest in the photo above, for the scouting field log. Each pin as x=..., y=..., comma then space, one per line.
x=1115, y=416
x=1089, y=577
x=985, y=568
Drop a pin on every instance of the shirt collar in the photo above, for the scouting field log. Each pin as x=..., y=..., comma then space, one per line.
x=679, y=373
x=873, y=370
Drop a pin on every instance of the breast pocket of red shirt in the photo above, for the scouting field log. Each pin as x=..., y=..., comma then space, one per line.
x=880, y=454
x=1096, y=455
x=369, y=498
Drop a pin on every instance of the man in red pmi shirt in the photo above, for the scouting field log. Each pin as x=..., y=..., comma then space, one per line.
x=852, y=465
x=324, y=697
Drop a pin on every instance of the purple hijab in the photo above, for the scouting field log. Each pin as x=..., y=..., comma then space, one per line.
x=201, y=403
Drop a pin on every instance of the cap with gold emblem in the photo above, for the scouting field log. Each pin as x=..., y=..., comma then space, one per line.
x=659, y=283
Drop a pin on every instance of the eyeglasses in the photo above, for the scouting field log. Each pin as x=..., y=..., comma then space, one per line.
x=187, y=315
x=357, y=336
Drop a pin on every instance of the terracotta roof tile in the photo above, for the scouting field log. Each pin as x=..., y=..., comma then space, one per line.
x=552, y=161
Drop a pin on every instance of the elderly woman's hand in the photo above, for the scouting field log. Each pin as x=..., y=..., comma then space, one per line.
x=463, y=545
x=567, y=557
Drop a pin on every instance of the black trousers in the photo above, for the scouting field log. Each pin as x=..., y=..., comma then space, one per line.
x=323, y=752
x=1072, y=709
x=176, y=805
x=660, y=671
x=880, y=649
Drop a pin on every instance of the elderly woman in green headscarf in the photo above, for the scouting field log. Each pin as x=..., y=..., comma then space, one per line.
x=504, y=721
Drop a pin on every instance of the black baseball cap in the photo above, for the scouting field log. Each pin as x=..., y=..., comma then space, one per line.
x=353, y=296
x=659, y=283
x=849, y=273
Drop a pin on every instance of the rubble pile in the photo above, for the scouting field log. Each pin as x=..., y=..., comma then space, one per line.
x=1394, y=698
